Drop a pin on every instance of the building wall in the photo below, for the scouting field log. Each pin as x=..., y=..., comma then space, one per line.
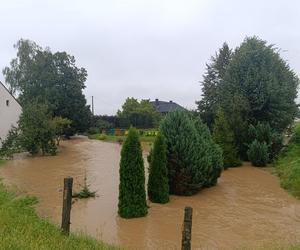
x=10, y=111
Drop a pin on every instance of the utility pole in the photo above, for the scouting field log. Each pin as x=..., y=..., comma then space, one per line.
x=93, y=105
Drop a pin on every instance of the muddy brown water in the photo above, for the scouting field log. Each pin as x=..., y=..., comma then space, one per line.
x=246, y=208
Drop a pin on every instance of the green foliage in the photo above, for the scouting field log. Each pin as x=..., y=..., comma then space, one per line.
x=287, y=167
x=138, y=114
x=296, y=134
x=258, y=153
x=21, y=228
x=158, y=182
x=11, y=144
x=193, y=160
x=85, y=192
x=61, y=125
x=210, y=153
x=37, y=130
x=132, y=195
x=258, y=86
x=214, y=74
x=223, y=136
x=53, y=79
x=262, y=132
x=93, y=131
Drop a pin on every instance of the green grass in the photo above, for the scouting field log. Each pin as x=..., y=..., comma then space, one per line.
x=287, y=167
x=21, y=228
x=146, y=141
x=2, y=162
x=118, y=138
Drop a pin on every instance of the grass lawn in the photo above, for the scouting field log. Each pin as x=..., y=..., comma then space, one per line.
x=2, y=162
x=287, y=167
x=21, y=228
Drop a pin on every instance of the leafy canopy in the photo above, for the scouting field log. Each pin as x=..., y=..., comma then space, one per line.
x=138, y=114
x=258, y=86
x=41, y=76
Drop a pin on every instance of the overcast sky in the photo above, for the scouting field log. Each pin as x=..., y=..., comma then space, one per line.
x=147, y=49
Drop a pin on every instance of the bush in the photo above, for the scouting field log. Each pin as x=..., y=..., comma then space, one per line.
x=132, y=195
x=158, y=183
x=262, y=132
x=210, y=153
x=296, y=134
x=37, y=130
x=93, y=131
x=11, y=144
x=258, y=153
x=223, y=135
x=190, y=158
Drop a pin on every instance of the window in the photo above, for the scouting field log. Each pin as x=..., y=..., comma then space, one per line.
x=7, y=103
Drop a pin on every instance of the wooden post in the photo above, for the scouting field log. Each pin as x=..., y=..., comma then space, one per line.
x=67, y=204
x=187, y=229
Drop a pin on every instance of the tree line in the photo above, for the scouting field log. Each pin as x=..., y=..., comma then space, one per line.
x=247, y=92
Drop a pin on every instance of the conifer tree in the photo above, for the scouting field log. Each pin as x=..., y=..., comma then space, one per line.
x=223, y=136
x=193, y=160
x=215, y=71
x=158, y=183
x=132, y=195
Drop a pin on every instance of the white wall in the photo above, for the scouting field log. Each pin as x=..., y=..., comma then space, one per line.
x=9, y=115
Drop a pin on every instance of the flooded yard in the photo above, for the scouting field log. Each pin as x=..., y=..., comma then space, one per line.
x=246, y=208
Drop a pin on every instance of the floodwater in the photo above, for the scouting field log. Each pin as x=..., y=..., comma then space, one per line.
x=246, y=208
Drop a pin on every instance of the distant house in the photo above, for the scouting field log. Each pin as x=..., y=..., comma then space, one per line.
x=165, y=107
x=10, y=111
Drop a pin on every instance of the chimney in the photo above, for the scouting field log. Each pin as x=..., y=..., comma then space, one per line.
x=170, y=101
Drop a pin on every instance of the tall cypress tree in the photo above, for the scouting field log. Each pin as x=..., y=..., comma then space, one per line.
x=158, y=183
x=214, y=74
x=132, y=195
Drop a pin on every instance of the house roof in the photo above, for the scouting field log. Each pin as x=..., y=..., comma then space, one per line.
x=165, y=107
x=10, y=93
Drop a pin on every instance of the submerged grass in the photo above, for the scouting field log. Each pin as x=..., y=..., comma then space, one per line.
x=287, y=167
x=21, y=228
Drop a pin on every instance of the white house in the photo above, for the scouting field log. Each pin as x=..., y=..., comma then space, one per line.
x=10, y=111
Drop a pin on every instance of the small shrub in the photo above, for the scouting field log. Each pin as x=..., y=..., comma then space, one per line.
x=11, y=144
x=158, y=183
x=262, y=132
x=85, y=192
x=258, y=153
x=102, y=137
x=93, y=130
x=132, y=195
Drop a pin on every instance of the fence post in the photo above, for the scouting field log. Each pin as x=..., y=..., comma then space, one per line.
x=67, y=204
x=187, y=229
